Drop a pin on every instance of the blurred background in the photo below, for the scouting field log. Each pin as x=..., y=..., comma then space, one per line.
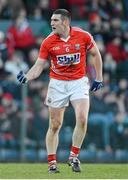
x=23, y=115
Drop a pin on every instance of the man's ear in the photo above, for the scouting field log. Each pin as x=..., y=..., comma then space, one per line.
x=66, y=22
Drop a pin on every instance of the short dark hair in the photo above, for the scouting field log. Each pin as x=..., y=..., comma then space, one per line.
x=64, y=13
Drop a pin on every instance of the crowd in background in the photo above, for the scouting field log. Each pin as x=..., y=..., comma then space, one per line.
x=107, y=21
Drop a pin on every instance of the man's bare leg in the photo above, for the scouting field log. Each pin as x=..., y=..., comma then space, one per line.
x=55, y=123
x=81, y=108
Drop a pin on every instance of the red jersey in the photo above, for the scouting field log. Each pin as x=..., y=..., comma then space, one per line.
x=68, y=56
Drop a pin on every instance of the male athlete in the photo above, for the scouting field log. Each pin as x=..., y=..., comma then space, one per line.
x=67, y=47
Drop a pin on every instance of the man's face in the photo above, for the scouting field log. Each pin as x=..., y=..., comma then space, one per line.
x=57, y=24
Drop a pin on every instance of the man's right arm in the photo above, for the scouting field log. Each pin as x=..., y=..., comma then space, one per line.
x=36, y=69
x=33, y=73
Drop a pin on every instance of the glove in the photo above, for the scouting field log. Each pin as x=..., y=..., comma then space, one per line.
x=21, y=77
x=96, y=85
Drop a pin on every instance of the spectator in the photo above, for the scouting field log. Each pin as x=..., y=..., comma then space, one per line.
x=109, y=64
x=9, y=103
x=99, y=121
x=3, y=47
x=20, y=35
x=100, y=43
x=15, y=64
x=5, y=125
x=119, y=132
x=116, y=50
x=32, y=56
x=2, y=70
x=5, y=10
x=37, y=15
x=46, y=12
x=39, y=125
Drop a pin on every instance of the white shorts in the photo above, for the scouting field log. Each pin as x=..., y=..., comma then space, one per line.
x=61, y=92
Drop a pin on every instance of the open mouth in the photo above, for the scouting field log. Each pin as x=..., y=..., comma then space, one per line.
x=53, y=28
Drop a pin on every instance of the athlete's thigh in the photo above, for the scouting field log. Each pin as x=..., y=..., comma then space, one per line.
x=79, y=89
x=56, y=116
x=81, y=108
x=57, y=96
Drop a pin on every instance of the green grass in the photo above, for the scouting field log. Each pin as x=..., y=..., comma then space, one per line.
x=39, y=171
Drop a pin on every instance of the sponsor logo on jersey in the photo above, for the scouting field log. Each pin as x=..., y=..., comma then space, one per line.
x=68, y=59
x=56, y=48
x=77, y=46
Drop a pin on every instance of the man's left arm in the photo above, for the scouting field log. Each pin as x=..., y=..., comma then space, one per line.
x=97, y=61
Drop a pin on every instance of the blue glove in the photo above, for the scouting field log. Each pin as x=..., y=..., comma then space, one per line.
x=21, y=77
x=96, y=85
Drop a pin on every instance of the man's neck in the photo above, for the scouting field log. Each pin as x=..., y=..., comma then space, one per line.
x=66, y=33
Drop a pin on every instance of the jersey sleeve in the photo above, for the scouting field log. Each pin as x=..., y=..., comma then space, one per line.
x=90, y=41
x=43, y=52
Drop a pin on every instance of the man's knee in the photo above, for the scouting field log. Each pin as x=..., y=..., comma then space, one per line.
x=82, y=120
x=55, y=126
x=56, y=119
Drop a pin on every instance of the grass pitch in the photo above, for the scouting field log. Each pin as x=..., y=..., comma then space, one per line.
x=39, y=171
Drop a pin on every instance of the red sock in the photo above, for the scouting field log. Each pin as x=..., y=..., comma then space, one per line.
x=74, y=152
x=51, y=159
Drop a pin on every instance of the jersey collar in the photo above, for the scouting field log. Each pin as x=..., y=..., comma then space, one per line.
x=71, y=34
x=65, y=40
